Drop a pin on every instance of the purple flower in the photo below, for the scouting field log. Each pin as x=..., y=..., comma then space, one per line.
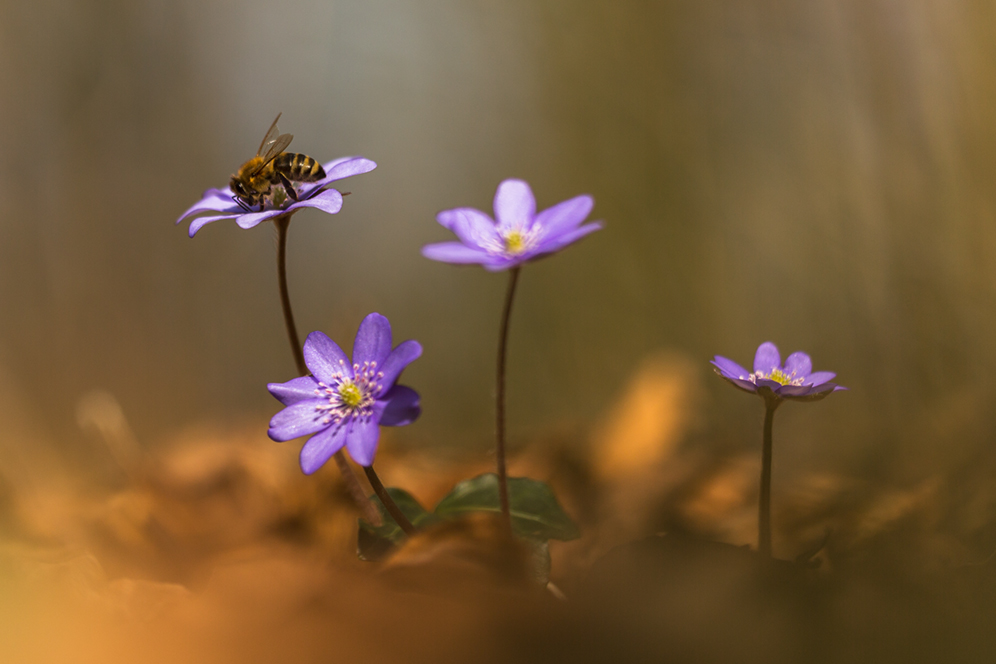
x=795, y=380
x=520, y=235
x=343, y=402
x=220, y=203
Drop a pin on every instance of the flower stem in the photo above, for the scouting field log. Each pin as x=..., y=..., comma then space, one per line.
x=500, y=399
x=283, y=223
x=764, y=504
x=356, y=491
x=392, y=507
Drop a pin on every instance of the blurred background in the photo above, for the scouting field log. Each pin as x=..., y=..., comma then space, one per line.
x=816, y=174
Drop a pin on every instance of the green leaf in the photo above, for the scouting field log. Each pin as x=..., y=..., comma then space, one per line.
x=375, y=542
x=536, y=514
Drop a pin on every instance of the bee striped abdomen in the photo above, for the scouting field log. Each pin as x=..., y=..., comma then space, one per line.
x=298, y=167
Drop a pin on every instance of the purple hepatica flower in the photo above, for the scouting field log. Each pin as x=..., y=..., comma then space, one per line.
x=220, y=203
x=796, y=380
x=343, y=402
x=520, y=235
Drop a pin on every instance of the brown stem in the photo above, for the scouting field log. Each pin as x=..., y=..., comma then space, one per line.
x=764, y=503
x=283, y=223
x=353, y=485
x=500, y=398
x=392, y=507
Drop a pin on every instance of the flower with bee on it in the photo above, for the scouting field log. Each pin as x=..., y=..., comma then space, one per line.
x=253, y=183
x=267, y=182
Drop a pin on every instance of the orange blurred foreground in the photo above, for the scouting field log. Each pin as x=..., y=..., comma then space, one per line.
x=217, y=549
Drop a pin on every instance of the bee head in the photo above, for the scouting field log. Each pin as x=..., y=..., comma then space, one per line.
x=237, y=187
x=242, y=195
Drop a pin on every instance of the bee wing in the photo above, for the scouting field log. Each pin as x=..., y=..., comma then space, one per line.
x=275, y=147
x=271, y=135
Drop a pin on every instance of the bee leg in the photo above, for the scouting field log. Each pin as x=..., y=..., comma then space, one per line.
x=241, y=204
x=288, y=187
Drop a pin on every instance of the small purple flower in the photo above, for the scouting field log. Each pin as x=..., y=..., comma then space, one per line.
x=220, y=203
x=795, y=380
x=343, y=402
x=520, y=235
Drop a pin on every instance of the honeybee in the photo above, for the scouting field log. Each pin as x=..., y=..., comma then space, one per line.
x=255, y=179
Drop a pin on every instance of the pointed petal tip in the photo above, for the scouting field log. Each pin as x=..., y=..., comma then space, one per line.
x=728, y=367
x=738, y=383
x=309, y=465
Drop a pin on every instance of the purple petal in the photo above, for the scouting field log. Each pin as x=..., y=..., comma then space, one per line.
x=406, y=353
x=514, y=205
x=798, y=365
x=552, y=244
x=744, y=385
x=813, y=394
x=454, y=252
x=565, y=216
x=345, y=167
x=325, y=359
x=321, y=447
x=472, y=227
x=499, y=263
x=361, y=441
x=329, y=201
x=794, y=390
x=820, y=377
x=252, y=219
x=329, y=166
x=293, y=391
x=772, y=385
x=730, y=368
x=298, y=420
x=200, y=222
x=214, y=200
x=401, y=407
x=373, y=340
x=767, y=358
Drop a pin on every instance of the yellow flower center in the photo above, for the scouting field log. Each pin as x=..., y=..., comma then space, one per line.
x=350, y=395
x=515, y=242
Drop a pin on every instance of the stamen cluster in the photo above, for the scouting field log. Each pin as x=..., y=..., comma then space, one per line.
x=350, y=397
x=777, y=375
x=513, y=242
